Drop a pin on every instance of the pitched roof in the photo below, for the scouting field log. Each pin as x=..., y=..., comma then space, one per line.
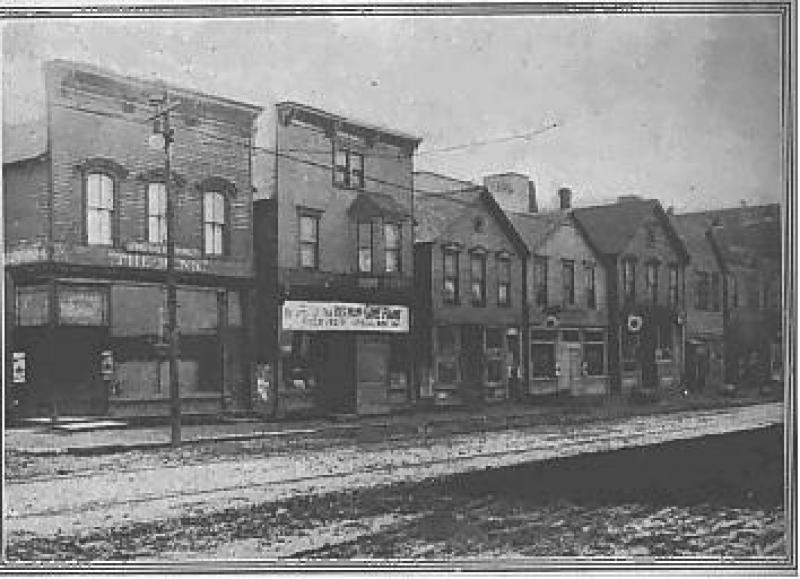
x=693, y=229
x=534, y=228
x=435, y=212
x=611, y=227
x=24, y=141
x=371, y=204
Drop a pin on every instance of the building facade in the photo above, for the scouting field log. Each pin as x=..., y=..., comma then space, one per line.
x=469, y=267
x=85, y=231
x=645, y=262
x=705, y=303
x=335, y=271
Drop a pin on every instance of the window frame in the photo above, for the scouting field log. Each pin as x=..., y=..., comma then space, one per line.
x=224, y=225
x=702, y=289
x=595, y=342
x=343, y=175
x=362, y=246
x=161, y=218
x=550, y=373
x=504, y=280
x=629, y=279
x=397, y=251
x=448, y=357
x=479, y=257
x=568, y=282
x=715, y=292
x=315, y=216
x=590, y=281
x=674, y=284
x=733, y=292
x=456, y=297
x=113, y=211
x=651, y=280
x=540, y=285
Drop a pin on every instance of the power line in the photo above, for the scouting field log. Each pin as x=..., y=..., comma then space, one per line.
x=526, y=136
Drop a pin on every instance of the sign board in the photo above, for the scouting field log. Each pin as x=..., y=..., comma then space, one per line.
x=107, y=364
x=18, y=363
x=344, y=317
x=81, y=306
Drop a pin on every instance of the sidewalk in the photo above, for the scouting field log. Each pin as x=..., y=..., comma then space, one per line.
x=42, y=441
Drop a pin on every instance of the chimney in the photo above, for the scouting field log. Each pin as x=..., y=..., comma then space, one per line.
x=565, y=198
x=670, y=211
x=628, y=198
x=533, y=207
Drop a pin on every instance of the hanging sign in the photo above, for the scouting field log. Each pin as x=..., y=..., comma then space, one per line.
x=344, y=317
x=18, y=363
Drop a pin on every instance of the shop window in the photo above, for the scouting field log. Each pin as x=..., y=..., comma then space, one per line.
x=568, y=281
x=664, y=343
x=494, y=370
x=392, y=238
x=83, y=305
x=540, y=280
x=494, y=338
x=673, y=284
x=591, y=292
x=156, y=213
x=630, y=351
x=503, y=281
x=214, y=223
x=33, y=306
x=348, y=169
x=651, y=278
x=365, y=244
x=543, y=360
x=299, y=373
x=450, y=283
x=478, y=278
x=309, y=240
x=100, y=205
x=594, y=357
x=629, y=279
x=447, y=372
x=399, y=361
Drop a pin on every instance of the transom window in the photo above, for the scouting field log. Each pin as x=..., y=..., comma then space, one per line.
x=213, y=223
x=309, y=241
x=450, y=279
x=392, y=247
x=348, y=169
x=99, y=209
x=156, y=213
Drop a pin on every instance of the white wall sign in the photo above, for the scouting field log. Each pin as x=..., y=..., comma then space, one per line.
x=18, y=367
x=344, y=317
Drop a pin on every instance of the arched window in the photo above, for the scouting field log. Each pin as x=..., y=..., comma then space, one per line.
x=214, y=223
x=100, y=206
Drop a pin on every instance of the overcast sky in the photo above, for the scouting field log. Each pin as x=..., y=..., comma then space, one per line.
x=682, y=108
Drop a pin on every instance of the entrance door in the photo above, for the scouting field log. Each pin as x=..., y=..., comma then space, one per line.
x=337, y=372
x=570, y=363
x=372, y=363
x=472, y=363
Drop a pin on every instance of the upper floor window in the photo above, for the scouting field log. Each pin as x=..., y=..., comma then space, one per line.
x=99, y=209
x=478, y=278
x=568, y=281
x=716, y=292
x=365, y=247
x=673, y=284
x=156, y=213
x=540, y=280
x=348, y=169
x=309, y=240
x=650, y=235
x=702, y=290
x=213, y=223
x=652, y=281
x=591, y=291
x=450, y=279
x=503, y=281
x=629, y=279
x=392, y=247
x=733, y=292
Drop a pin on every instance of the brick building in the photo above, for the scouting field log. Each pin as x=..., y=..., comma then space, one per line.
x=334, y=245
x=85, y=229
x=568, y=330
x=705, y=302
x=645, y=262
x=469, y=265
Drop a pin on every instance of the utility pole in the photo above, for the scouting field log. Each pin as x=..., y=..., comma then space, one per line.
x=162, y=129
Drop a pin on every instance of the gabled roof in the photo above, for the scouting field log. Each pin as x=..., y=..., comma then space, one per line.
x=695, y=232
x=24, y=141
x=611, y=227
x=434, y=212
x=371, y=204
x=535, y=228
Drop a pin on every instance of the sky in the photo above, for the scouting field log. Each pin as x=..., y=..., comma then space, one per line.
x=683, y=108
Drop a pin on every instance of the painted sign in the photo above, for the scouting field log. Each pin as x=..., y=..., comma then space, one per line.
x=344, y=317
x=18, y=364
x=107, y=364
x=82, y=306
x=154, y=261
x=25, y=254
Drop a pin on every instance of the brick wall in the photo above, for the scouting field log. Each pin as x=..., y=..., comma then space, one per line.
x=25, y=202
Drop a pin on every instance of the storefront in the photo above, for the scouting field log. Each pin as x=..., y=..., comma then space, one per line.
x=343, y=358
x=568, y=361
x=650, y=351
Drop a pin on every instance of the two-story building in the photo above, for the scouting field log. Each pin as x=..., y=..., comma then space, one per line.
x=645, y=262
x=469, y=265
x=567, y=333
x=334, y=250
x=85, y=228
x=705, y=302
